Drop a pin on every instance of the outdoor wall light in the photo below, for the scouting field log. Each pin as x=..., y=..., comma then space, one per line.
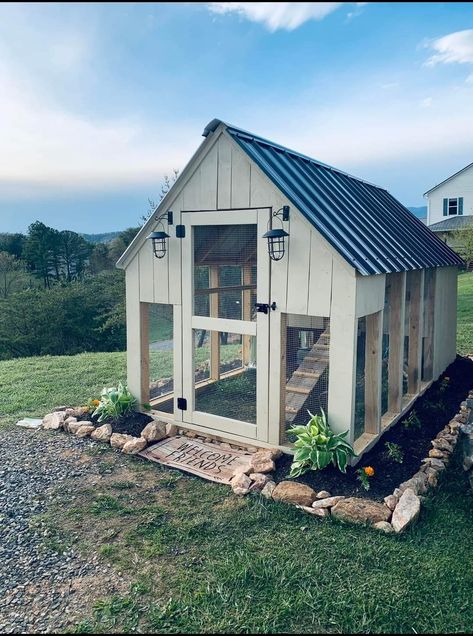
x=159, y=237
x=276, y=237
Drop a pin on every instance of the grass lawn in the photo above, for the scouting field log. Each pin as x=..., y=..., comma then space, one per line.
x=465, y=314
x=205, y=561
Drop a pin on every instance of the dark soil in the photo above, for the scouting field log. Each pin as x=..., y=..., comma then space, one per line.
x=131, y=424
x=434, y=409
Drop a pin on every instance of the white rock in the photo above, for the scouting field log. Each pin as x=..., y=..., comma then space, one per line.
x=118, y=440
x=154, y=431
x=328, y=502
x=261, y=462
x=134, y=446
x=259, y=481
x=171, y=430
x=318, y=512
x=383, y=526
x=323, y=494
x=54, y=421
x=84, y=429
x=241, y=484
x=102, y=433
x=406, y=511
x=268, y=490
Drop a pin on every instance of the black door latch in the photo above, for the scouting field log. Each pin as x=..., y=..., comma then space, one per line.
x=264, y=308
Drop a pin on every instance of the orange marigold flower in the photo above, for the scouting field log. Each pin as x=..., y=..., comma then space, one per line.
x=95, y=402
x=369, y=471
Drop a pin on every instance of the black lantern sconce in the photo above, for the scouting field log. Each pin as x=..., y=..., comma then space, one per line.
x=160, y=236
x=276, y=237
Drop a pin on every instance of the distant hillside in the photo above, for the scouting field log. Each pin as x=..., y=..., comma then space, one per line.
x=420, y=212
x=100, y=238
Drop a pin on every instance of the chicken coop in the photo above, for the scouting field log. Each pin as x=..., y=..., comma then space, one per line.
x=267, y=284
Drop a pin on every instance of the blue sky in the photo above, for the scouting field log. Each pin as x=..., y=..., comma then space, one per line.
x=98, y=101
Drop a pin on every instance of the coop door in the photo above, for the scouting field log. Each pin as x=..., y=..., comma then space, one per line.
x=225, y=340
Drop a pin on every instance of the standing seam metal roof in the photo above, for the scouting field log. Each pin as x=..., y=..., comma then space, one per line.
x=363, y=222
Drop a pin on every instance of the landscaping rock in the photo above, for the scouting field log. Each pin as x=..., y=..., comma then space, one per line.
x=438, y=464
x=259, y=481
x=268, y=490
x=77, y=411
x=294, y=493
x=436, y=453
x=154, y=431
x=391, y=501
x=442, y=444
x=357, y=510
x=102, y=433
x=241, y=484
x=417, y=483
x=243, y=469
x=406, y=511
x=261, y=462
x=84, y=429
x=171, y=430
x=318, y=512
x=383, y=526
x=328, y=502
x=134, y=445
x=54, y=421
x=118, y=440
x=323, y=494
x=73, y=426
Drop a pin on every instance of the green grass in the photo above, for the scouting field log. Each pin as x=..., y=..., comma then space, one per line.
x=204, y=561
x=465, y=314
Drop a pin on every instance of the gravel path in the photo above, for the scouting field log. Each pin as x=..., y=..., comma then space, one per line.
x=41, y=589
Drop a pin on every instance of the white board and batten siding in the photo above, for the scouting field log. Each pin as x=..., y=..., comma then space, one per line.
x=460, y=185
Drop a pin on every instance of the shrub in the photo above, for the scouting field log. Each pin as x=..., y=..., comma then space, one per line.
x=115, y=402
x=394, y=452
x=317, y=445
x=412, y=422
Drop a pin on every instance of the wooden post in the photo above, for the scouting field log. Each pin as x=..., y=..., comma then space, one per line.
x=428, y=332
x=246, y=315
x=416, y=287
x=214, y=335
x=144, y=345
x=373, y=346
x=396, y=341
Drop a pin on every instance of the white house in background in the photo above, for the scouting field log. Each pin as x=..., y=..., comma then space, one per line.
x=451, y=199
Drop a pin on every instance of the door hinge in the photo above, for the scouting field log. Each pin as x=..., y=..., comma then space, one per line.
x=182, y=404
x=264, y=308
x=180, y=231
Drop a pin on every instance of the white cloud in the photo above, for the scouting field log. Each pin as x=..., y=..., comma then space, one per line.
x=452, y=48
x=426, y=103
x=278, y=15
x=46, y=146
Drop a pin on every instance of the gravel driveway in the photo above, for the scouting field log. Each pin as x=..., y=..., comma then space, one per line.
x=43, y=588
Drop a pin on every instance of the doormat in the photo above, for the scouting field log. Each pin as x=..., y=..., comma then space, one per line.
x=205, y=460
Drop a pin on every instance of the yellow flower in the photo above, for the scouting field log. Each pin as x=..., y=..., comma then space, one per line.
x=369, y=471
x=95, y=402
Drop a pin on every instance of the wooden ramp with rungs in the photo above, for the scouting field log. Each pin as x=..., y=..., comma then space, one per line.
x=302, y=382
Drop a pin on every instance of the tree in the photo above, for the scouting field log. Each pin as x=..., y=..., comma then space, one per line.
x=128, y=235
x=11, y=272
x=168, y=182
x=463, y=244
x=12, y=243
x=74, y=252
x=39, y=252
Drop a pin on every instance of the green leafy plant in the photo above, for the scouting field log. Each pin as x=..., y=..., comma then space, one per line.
x=364, y=474
x=115, y=402
x=444, y=384
x=395, y=452
x=317, y=445
x=412, y=422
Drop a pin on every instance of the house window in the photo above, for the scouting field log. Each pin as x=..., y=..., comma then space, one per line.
x=453, y=207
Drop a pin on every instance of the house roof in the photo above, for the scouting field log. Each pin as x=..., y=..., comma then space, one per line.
x=448, y=179
x=452, y=223
x=364, y=223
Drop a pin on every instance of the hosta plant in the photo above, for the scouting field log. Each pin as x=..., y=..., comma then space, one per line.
x=317, y=445
x=115, y=402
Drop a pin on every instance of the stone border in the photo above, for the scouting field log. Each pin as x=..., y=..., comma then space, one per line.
x=398, y=511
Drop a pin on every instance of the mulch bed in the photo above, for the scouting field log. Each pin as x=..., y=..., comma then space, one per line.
x=131, y=424
x=434, y=409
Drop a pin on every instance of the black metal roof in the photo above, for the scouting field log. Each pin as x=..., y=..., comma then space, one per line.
x=363, y=222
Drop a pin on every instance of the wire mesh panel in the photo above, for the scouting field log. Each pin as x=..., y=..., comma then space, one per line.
x=306, y=342
x=161, y=356
x=225, y=271
x=385, y=347
x=360, y=378
x=224, y=384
